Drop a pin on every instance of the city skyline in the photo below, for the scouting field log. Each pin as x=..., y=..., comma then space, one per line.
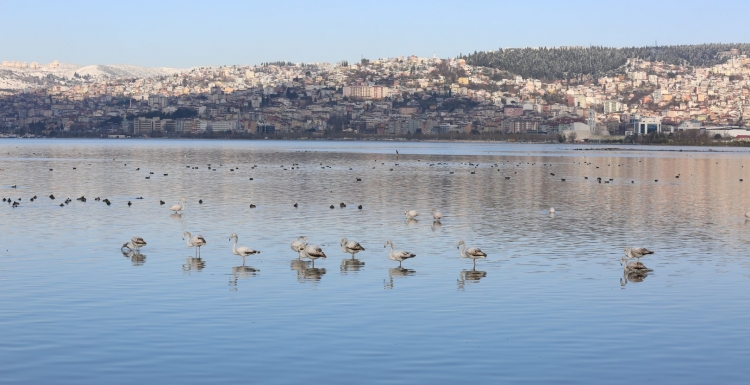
x=191, y=35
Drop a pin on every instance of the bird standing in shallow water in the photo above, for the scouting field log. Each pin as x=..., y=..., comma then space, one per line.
x=436, y=215
x=242, y=251
x=637, y=252
x=180, y=206
x=399, y=256
x=411, y=214
x=313, y=252
x=299, y=245
x=195, y=241
x=135, y=244
x=473, y=252
x=351, y=247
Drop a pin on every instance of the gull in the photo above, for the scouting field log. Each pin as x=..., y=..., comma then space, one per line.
x=195, y=241
x=298, y=245
x=313, y=252
x=472, y=252
x=134, y=244
x=399, y=256
x=411, y=214
x=637, y=252
x=351, y=247
x=242, y=251
x=180, y=206
x=436, y=215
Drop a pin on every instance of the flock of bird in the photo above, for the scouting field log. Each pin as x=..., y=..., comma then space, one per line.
x=301, y=245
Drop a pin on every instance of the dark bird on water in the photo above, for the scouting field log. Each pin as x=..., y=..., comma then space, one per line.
x=252, y=206
x=129, y=204
x=342, y=205
x=200, y=201
x=332, y=207
x=161, y=202
x=359, y=207
x=296, y=205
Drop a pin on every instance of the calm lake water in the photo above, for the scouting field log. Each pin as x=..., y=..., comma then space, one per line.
x=548, y=305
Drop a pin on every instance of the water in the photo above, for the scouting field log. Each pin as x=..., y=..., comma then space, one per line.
x=549, y=304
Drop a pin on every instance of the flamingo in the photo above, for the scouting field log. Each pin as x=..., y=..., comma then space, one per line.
x=242, y=251
x=134, y=244
x=195, y=241
x=180, y=206
x=399, y=256
x=351, y=247
x=473, y=252
x=313, y=252
x=436, y=215
x=637, y=252
x=299, y=245
x=411, y=214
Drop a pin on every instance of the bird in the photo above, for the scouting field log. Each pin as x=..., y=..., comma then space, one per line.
x=747, y=215
x=242, y=251
x=313, y=252
x=134, y=244
x=551, y=210
x=200, y=201
x=130, y=203
x=298, y=245
x=252, y=206
x=296, y=205
x=195, y=241
x=351, y=247
x=161, y=202
x=410, y=214
x=180, y=206
x=473, y=252
x=637, y=252
x=436, y=215
x=635, y=267
x=331, y=207
x=359, y=207
x=399, y=256
x=342, y=205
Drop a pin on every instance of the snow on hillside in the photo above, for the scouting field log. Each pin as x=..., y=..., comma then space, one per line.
x=19, y=78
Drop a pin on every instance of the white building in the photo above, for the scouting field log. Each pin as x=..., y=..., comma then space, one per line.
x=366, y=92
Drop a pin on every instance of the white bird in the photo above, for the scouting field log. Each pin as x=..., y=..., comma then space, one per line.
x=134, y=244
x=637, y=252
x=747, y=215
x=242, y=251
x=473, y=252
x=313, y=252
x=436, y=215
x=298, y=245
x=180, y=206
x=551, y=210
x=195, y=241
x=399, y=256
x=635, y=267
x=411, y=214
x=351, y=247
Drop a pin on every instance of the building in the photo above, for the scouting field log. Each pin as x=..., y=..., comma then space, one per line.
x=512, y=111
x=611, y=106
x=366, y=92
x=520, y=125
x=646, y=125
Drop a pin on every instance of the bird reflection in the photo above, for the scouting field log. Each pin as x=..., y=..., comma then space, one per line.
x=396, y=272
x=135, y=256
x=436, y=225
x=178, y=217
x=351, y=264
x=632, y=276
x=411, y=221
x=193, y=264
x=469, y=276
x=305, y=271
x=241, y=272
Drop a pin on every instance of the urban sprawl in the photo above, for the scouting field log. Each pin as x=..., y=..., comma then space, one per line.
x=395, y=97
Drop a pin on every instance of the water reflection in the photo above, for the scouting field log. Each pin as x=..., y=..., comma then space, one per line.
x=135, y=256
x=192, y=263
x=436, y=225
x=632, y=276
x=305, y=271
x=239, y=272
x=351, y=265
x=396, y=272
x=469, y=276
x=411, y=221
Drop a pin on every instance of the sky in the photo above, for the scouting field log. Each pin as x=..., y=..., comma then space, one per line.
x=187, y=33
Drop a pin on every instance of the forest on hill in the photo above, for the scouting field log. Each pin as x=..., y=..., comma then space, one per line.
x=571, y=62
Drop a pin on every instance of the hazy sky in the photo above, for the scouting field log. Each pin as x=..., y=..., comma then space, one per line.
x=192, y=33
